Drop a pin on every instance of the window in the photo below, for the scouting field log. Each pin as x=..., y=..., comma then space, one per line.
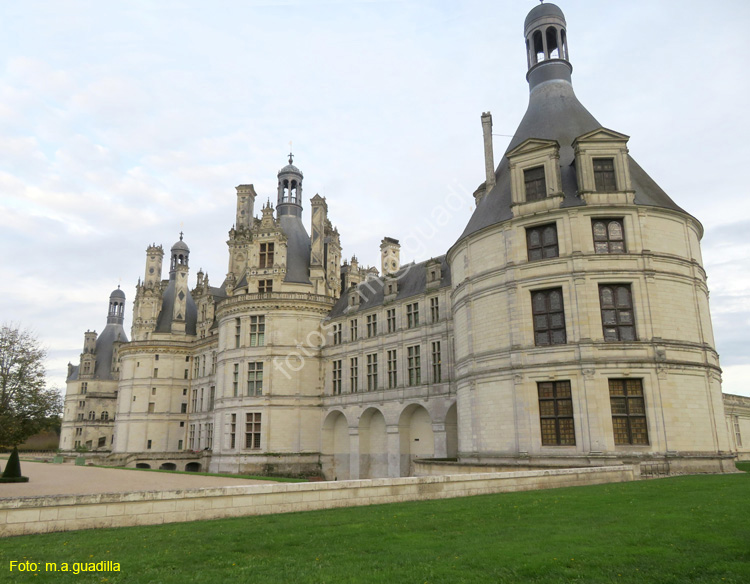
x=737, y=433
x=390, y=319
x=233, y=432
x=536, y=186
x=92, y=415
x=392, y=368
x=252, y=430
x=617, y=312
x=84, y=387
x=541, y=242
x=628, y=411
x=213, y=363
x=604, y=175
x=148, y=445
x=549, y=317
x=209, y=436
x=198, y=438
x=102, y=442
x=237, y=335
x=372, y=372
x=266, y=255
x=191, y=437
x=372, y=325
x=194, y=401
x=255, y=379
x=608, y=235
x=197, y=367
x=156, y=357
x=412, y=315
x=211, y=399
x=105, y=416
x=354, y=374
x=353, y=330
x=414, y=365
x=337, y=377
x=153, y=391
x=79, y=417
x=79, y=431
x=236, y=380
x=436, y=362
x=151, y=407
x=556, y=413
x=265, y=285
x=201, y=402
x=156, y=372
x=337, y=334
x=183, y=408
x=434, y=309
x=182, y=424
x=82, y=404
x=257, y=331
x=186, y=374
x=179, y=445
x=203, y=365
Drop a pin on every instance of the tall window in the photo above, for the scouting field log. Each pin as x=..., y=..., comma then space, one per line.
x=541, y=242
x=549, y=317
x=237, y=337
x=354, y=374
x=252, y=430
x=412, y=315
x=337, y=377
x=372, y=372
x=236, y=380
x=556, y=413
x=434, y=309
x=337, y=334
x=233, y=432
x=414, y=365
x=353, y=329
x=436, y=362
x=203, y=389
x=392, y=368
x=390, y=319
x=266, y=255
x=604, y=175
x=194, y=401
x=255, y=379
x=265, y=285
x=617, y=312
x=84, y=386
x=203, y=365
x=535, y=183
x=191, y=437
x=372, y=325
x=105, y=415
x=211, y=398
x=257, y=331
x=609, y=235
x=628, y=411
x=213, y=363
x=197, y=371
x=737, y=433
x=209, y=436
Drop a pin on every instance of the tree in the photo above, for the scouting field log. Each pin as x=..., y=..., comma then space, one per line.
x=26, y=403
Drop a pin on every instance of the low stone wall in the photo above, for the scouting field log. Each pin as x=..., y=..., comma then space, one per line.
x=66, y=513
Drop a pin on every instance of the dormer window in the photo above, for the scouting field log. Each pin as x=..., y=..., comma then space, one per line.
x=266, y=255
x=604, y=175
x=535, y=184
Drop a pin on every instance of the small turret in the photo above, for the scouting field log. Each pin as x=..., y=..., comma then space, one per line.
x=116, y=314
x=390, y=255
x=289, y=200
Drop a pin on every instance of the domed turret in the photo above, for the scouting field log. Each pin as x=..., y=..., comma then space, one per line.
x=546, y=45
x=180, y=254
x=289, y=200
x=116, y=314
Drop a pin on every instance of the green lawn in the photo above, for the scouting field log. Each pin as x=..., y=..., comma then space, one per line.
x=675, y=530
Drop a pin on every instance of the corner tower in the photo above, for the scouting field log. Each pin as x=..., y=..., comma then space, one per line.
x=579, y=304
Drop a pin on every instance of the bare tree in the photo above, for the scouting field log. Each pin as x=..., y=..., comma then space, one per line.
x=26, y=404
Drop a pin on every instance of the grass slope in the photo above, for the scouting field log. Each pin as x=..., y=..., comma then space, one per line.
x=675, y=530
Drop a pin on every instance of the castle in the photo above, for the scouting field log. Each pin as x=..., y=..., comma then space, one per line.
x=567, y=326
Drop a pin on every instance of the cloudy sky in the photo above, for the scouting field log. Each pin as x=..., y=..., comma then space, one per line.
x=122, y=123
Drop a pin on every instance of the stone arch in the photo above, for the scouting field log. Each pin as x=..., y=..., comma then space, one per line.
x=373, y=445
x=193, y=467
x=451, y=432
x=416, y=437
x=168, y=466
x=142, y=465
x=336, y=450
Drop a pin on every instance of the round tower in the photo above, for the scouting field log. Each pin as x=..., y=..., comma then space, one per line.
x=546, y=45
x=289, y=200
x=116, y=314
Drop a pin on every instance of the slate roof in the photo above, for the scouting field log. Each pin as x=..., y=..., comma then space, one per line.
x=412, y=281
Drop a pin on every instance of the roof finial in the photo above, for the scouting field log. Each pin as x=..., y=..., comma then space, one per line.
x=180, y=235
x=291, y=157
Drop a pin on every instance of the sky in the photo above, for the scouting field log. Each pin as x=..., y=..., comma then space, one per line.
x=124, y=123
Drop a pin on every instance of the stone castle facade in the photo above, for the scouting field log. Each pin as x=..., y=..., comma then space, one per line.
x=567, y=326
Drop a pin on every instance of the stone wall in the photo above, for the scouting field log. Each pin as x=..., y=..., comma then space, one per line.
x=67, y=513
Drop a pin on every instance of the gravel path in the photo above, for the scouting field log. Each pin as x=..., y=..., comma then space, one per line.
x=68, y=479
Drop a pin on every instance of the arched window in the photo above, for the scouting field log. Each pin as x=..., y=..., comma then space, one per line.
x=105, y=416
x=538, y=47
x=564, y=43
x=552, y=48
x=92, y=415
